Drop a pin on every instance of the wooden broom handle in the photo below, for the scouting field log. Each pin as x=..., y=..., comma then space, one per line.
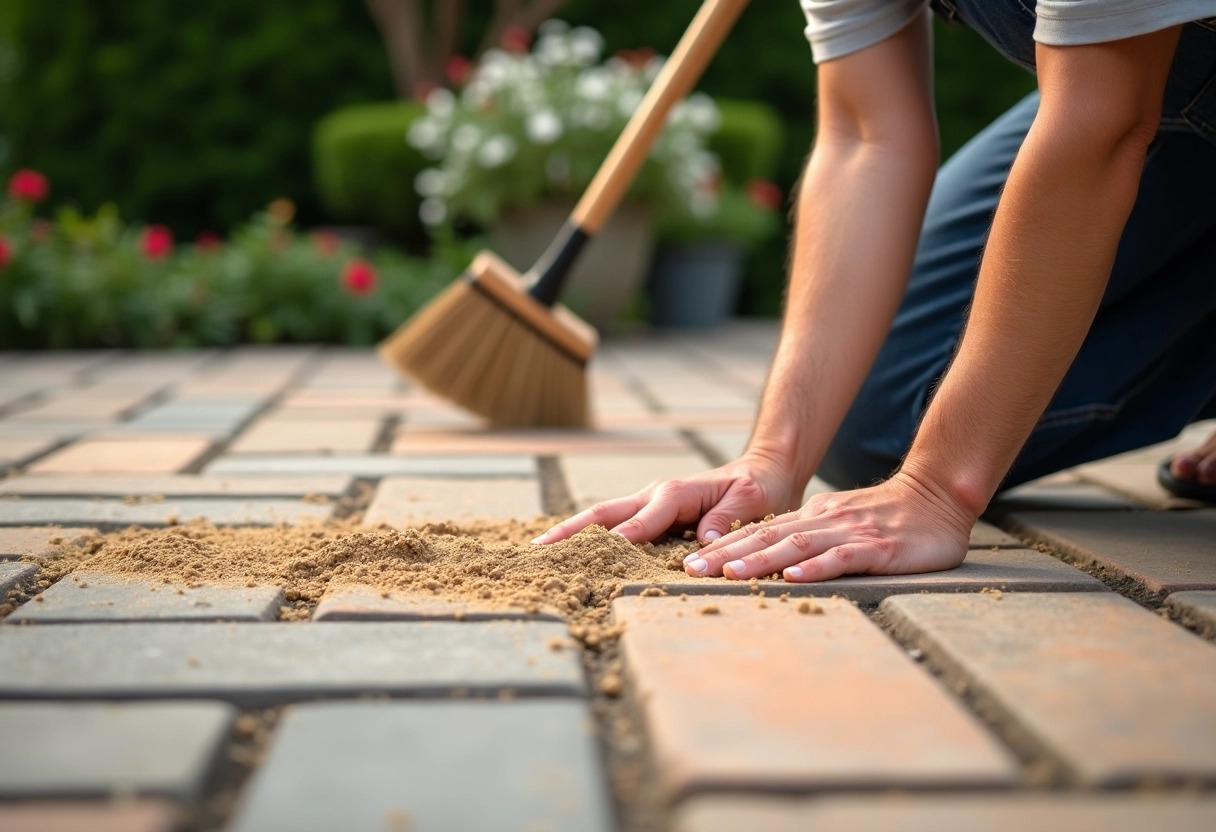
x=681, y=71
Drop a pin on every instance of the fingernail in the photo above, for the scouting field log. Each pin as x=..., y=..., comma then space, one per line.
x=537, y=541
x=689, y=559
x=713, y=534
x=794, y=572
x=699, y=565
x=737, y=566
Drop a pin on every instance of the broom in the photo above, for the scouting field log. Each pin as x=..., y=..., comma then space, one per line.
x=497, y=343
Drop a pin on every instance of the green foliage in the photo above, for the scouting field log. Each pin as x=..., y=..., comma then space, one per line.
x=748, y=141
x=737, y=217
x=365, y=169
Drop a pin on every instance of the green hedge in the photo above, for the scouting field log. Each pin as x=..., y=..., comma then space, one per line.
x=749, y=141
x=365, y=169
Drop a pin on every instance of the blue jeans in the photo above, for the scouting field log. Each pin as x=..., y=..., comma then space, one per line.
x=1148, y=365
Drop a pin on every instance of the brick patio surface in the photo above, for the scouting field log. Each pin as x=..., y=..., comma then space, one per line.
x=1063, y=678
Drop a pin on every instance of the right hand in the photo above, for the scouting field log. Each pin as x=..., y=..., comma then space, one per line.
x=747, y=489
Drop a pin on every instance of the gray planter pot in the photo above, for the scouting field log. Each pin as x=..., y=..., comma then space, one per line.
x=609, y=272
x=695, y=284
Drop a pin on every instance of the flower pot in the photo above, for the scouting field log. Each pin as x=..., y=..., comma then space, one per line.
x=610, y=270
x=695, y=284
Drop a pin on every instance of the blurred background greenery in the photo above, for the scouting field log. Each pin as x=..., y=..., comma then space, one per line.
x=195, y=116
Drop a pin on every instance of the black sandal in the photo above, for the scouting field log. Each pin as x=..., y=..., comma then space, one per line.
x=1186, y=489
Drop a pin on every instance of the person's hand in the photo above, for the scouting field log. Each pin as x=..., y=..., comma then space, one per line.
x=746, y=489
x=901, y=526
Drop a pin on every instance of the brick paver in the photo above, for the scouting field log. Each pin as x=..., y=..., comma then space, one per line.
x=105, y=402
x=74, y=749
x=385, y=766
x=94, y=816
x=364, y=603
x=1009, y=570
x=302, y=436
x=539, y=442
x=37, y=541
x=409, y=501
x=224, y=512
x=593, y=478
x=953, y=813
x=1059, y=496
x=794, y=701
x=17, y=451
x=1161, y=553
x=173, y=485
x=89, y=596
x=14, y=574
x=159, y=455
x=1197, y=609
x=1114, y=693
x=254, y=664
x=374, y=465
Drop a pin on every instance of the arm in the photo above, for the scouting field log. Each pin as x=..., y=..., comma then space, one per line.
x=860, y=207
x=1053, y=242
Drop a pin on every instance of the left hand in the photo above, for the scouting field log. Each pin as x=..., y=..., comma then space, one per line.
x=901, y=526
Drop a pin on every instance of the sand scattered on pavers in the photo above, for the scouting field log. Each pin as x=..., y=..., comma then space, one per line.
x=486, y=565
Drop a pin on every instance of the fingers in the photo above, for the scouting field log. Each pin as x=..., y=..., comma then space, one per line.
x=766, y=549
x=609, y=515
x=837, y=561
x=744, y=500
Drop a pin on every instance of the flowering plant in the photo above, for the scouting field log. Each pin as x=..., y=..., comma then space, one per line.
x=524, y=126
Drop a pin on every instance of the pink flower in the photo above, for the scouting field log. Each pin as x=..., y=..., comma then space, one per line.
x=765, y=194
x=156, y=242
x=359, y=277
x=326, y=243
x=29, y=185
x=6, y=253
x=459, y=69
x=207, y=241
x=516, y=39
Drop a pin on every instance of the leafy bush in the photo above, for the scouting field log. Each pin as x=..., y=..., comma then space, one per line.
x=365, y=169
x=748, y=141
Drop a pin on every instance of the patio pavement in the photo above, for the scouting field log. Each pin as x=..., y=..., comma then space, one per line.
x=1063, y=678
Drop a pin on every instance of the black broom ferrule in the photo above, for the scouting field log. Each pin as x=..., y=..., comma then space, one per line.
x=554, y=265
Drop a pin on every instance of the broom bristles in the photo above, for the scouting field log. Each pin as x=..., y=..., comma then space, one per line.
x=517, y=370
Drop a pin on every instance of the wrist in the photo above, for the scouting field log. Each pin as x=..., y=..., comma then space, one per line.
x=778, y=461
x=966, y=492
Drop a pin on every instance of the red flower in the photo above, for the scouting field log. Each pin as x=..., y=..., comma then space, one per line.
x=765, y=194
x=28, y=185
x=516, y=39
x=637, y=58
x=459, y=69
x=326, y=243
x=359, y=277
x=157, y=242
x=6, y=253
x=207, y=241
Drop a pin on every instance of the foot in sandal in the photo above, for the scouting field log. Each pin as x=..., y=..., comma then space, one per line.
x=1192, y=474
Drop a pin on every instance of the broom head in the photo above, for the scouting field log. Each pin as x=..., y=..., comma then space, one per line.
x=487, y=345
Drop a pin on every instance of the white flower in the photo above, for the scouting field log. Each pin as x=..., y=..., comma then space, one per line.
x=591, y=116
x=703, y=112
x=629, y=101
x=423, y=134
x=476, y=94
x=553, y=51
x=593, y=84
x=433, y=211
x=544, y=127
x=431, y=182
x=585, y=45
x=653, y=67
x=497, y=151
x=465, y=138
x=441, y=102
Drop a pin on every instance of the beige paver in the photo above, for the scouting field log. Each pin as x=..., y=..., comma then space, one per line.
x=365, y=603
x=16, y=450
x=1160, y=552
x=408, y=501
x=38, y=541
x=951, y=813
x=151, y=455
x=297, y=435
x=1136, y=480
x=95, y=816
x=94, y=403
x=778, y=699
x=174, y=485
x=593, y=478
x=538, y=442
x=1113, y=692
x=1197, y=609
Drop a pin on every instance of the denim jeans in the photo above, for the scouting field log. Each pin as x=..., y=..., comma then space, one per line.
x=1148, y=365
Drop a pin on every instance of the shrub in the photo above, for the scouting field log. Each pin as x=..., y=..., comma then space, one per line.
x=748, y=141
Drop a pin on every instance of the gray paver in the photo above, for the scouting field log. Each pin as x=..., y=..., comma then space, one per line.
x=173, y=485
x=219, y=415
x=408, y=501
x=1009, y=570
x=985, y=535
x=88, y=596
x=38, y=541
x=14, y=574
x=116, y=512
x=265, y=663
x=593, y=478
x=375, y=465
x=73, y=749
x=365, y=603
x=368, y=767
x=1059, y=496
x=1113, y=692
x=20, y=451
x=1161, y=552
x=953, y=813
x=1196, y=608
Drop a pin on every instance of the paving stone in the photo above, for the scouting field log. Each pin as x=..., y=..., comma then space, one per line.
x=14, y=428
x=1058, y=496
x=365, y=603
x=1137, y=481
x=593, y=478
x=1197, y=609
x=260, y=664
x=93, y=403
x=302, y=436
x=18, y=451
x=14, y=574
x=1113, y=692
x=794, y=702
x=159, y=455
x=387, y=403
x=96, y=749
x=172, y=485
x=10, y=395
x=985, y=536
x=372, y=766
x=408, y=501
x=53, y=367
x=1009, y=570
x=538, y=442
x=218, y=415
x=152, y=367
x=376, y=465
x=123, y=815
x=951, y=813
x=1158, y=553
x=38, y=541
x=89, y=596
x=224, y=512
x=727, y=443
